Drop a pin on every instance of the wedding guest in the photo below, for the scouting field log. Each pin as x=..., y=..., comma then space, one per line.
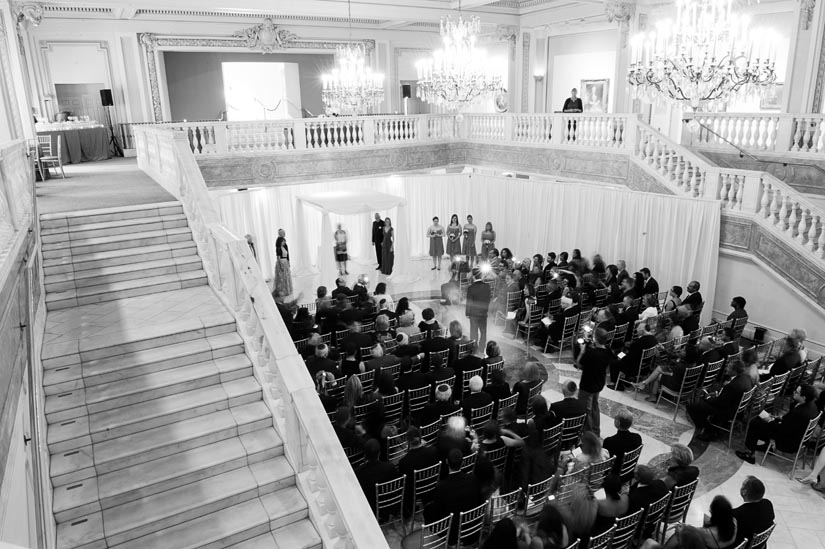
x=341, y=256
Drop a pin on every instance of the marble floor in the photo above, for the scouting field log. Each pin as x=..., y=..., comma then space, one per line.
x=799, y=509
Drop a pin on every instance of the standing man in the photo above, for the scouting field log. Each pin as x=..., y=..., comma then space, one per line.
x=594, y=360
x=573, y=103
x=651, y=286
x=378, y=237
x=478, y=303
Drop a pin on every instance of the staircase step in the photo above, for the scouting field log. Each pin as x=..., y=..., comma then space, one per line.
x=106, y=275
x=171, y=507
x=82, y=533
x=70, y=219
x=165, y=410
x=116, y=242
x=226, y=350
x=127, y=288
x=220, y=529
x=123, y=256
x=119, y=226
x=298, y=535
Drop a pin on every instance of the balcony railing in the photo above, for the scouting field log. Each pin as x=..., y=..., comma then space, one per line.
x=796, y=135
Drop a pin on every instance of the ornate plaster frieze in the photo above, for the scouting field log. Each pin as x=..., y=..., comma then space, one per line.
x=266, y=37
x=154, y=44
x=27, y=13
x=807, y=13
x=525, y=72
x=506, y=33
x=819, y=86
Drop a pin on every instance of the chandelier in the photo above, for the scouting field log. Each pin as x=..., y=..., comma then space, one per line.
x=459, y=73
x=703, y=59
x=351, y=87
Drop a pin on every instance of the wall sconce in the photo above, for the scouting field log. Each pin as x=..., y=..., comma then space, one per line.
x=538, y=76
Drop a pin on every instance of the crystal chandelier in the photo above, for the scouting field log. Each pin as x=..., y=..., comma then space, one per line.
x=458, y=73
x=703, y=59
x=351, y=87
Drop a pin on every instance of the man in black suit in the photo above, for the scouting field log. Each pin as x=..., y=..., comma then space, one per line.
x=787, y=431
x=723, y=407
x=623, y=441
x=379, y=360
x=478, y=303
x=374, y=471
x=645, y=490
x=570, y=405
x=341, y=288
x=476, y=399
x=409, y=379
x=440, y=372
x=378, y=237
x=432, y=345
x=466, y=364
x=629, y=364
x=621, y=265
x=442, y=406
x=418, y=457
x=455, y=493
x=651, y=286
x=693, y=297
x=321, y=362
x=756, y=513
x=357, y=337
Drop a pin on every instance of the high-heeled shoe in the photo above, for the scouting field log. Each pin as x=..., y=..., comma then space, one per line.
x=806, y=480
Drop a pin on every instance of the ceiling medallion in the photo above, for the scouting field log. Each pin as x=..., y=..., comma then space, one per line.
x=266, y=37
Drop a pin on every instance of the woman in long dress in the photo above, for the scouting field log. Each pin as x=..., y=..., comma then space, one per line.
x=488, y=241
x=469, y=248
x=453, y=238
x=283, y=276
x=436, y=235
x=341, y=250
x=388, y=248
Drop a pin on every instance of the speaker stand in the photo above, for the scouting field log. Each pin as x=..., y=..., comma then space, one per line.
x=113, y=144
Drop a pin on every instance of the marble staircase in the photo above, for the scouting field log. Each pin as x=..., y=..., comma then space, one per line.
x=158, y=434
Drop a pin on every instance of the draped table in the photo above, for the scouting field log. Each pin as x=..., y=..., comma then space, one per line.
x=82, y=144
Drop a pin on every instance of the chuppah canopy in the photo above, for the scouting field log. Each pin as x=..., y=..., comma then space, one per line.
x=350, y=202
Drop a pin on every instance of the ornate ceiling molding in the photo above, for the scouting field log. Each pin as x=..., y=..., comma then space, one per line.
x=808, y=7
x=153, y=46
x=622, y=12
x=7, y=91
x=27, y=14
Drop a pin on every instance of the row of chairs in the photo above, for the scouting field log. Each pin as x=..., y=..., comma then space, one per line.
x=46, y=155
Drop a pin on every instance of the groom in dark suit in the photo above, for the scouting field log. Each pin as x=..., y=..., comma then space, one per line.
x=378, y=237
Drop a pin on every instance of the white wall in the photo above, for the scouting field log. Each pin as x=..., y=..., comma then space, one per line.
x=574, y=57
x=772, y=302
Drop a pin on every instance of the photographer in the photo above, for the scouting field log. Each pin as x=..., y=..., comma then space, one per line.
x=594, y=360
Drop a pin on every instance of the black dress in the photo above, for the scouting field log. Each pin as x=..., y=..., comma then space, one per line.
x=387, y=252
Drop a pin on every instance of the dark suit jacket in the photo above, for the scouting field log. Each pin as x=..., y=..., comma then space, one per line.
x=431, y=345
x=752, y=518
x=618, y=444
x=412, y=380
x=359, y=339
x=651, y=287
x=342, y=290
x=694, y=300
x=785, y=363
x=381, y=362
x=432, y=412
x=378, y=231
x=475, y=400
x=478, y=299
x=469, y=362
x=728, y=400
x=372, y=473
x=316, y=364
x=630, y=362
x=642, y=496
x=793, y=426
x=457, y=492
x=568, y=407
x=440, y=374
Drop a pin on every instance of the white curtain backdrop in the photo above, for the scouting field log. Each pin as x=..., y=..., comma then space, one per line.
x=676, y=237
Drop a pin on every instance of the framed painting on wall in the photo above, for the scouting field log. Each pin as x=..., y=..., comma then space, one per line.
x=772, y=100
x=594, y=94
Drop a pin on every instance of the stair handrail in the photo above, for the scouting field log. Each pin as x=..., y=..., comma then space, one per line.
x=742, y=152
x=337, y=506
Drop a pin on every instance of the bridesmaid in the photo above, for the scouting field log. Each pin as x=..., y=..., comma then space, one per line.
x=469, y=248
x=453, y=238
x=488, y=241
x=283, y=276
x=436, y=235
x=388, y=248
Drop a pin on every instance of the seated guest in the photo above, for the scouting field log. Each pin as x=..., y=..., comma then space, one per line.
x=432, y=345
x=349, y=434
x=623, y=441
x=379, y=359
x=669, y=375
x=629, y=289
x=505, y=535
x=494, y=436
x=756, y=513
x=383, y=332
x=439, y=373
x=383, y=309
x=323, y=301
x=442, y=406
x=455, y=339
x=457, y=492
x=492, y=355
x=555, y=330
x=454, y=435
x=402, y=307
x=429, y=324
x=693, y=297
x=787, y=431
x=476, y=399
x=380, y=294
x=384, y=385
x=682, y=471
x=356, y=336
x=497, y=388
x=580, y=512
x=532, y=377
x=651, y=307
x=303, y=324
x=710, y=351
x=723, y=407
x=374, y=471
x=570, y=405
x=730, y=345
x=615, y=504
x=673, y=299
x=406, y=323
x=467, y=364
x=551, y=530
x=720, y=527
x=542, y=418
x=323, y=382
x=313, y=341
x=738, y=304
x=549, y=266
x=321, y=362
x=418, y=457
x=628, y=366
x=751, y=360
x=591, y=452
x=645, y=490
x=351, y=365
x=410, y=379
x=798, y=335
x=405, y=349
x=787, y=361
x=341, y=288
